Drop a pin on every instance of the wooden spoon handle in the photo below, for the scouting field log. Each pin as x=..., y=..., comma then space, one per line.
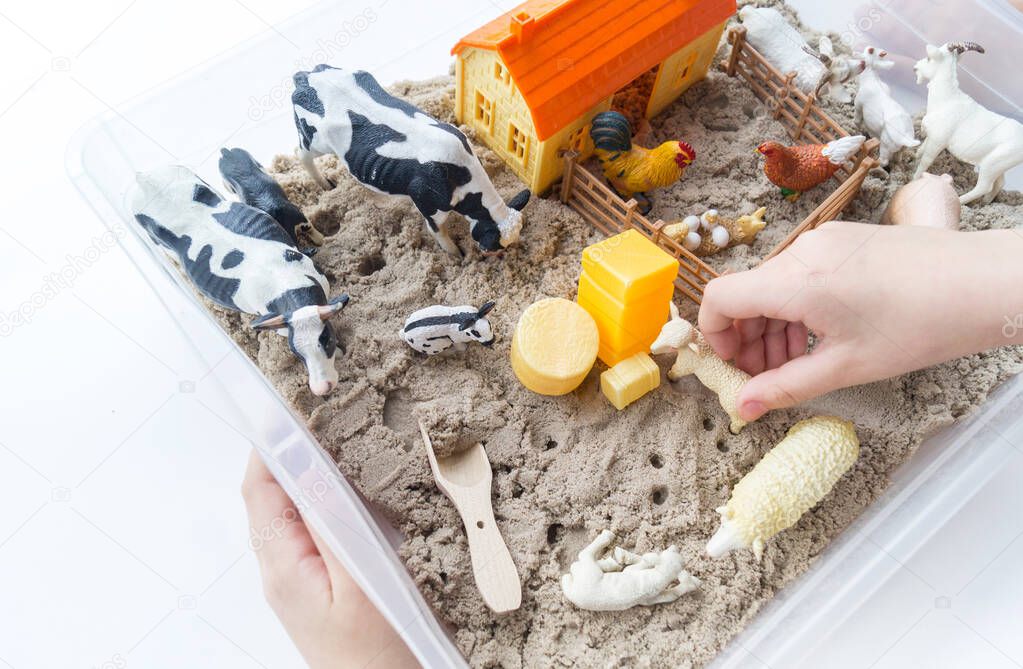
x=492, y=565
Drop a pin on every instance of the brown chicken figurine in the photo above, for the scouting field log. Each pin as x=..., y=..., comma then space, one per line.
x=798, y=168
x=633, y=170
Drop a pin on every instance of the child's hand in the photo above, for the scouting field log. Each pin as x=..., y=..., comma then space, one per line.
x=882, y=301
x=323, y=610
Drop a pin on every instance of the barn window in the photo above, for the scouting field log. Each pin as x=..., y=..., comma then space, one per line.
x=687, y=67
x=579, y=139
x=518, y=143
x=501, y=73
x=484, y=112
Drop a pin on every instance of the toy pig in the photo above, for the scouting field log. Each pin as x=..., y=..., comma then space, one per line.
x=930, y=201
x=247, y=179
x=438, y=328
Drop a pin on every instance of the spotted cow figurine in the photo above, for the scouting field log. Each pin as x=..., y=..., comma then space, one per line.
x=395, y=148
x=246, y=178
x=438, y=328
x=242, y=259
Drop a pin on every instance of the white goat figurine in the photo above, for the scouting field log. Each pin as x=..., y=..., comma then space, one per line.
x=625, y=579
x=955, y=121
x=840, y=69
x=877, y=111
x=696, y=356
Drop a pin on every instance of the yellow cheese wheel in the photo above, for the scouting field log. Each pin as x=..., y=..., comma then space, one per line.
x=554, y=346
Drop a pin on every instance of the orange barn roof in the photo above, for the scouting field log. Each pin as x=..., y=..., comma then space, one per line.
x=565, y=56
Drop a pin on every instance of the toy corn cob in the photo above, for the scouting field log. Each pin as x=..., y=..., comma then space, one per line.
x=787, y=482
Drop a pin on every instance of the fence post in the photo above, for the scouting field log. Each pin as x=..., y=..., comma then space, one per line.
x=568, y=175
x=630, y=212
x=737, y=36
x=811, y=100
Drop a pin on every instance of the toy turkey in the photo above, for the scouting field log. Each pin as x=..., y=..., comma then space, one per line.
x=795, y=169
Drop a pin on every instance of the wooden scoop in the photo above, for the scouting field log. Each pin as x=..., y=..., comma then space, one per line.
x=465, y=478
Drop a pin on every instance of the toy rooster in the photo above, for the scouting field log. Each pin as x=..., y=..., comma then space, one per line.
x=634, y=170
x=798, y=168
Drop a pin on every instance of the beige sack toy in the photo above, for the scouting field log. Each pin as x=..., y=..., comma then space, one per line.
x=930, y=201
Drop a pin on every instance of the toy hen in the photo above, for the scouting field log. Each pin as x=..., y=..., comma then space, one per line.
x=798, y=168
x=633, y=170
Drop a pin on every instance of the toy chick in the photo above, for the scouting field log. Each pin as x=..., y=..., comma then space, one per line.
x=633, y=170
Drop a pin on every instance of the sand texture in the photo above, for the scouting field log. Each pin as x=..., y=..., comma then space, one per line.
x=566, y=467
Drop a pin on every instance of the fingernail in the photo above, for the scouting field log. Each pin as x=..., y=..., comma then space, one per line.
x=752, y=410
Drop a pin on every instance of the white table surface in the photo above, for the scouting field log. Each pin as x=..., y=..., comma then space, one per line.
x=114, y=550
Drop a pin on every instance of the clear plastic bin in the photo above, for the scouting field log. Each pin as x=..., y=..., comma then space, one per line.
x=242, y=100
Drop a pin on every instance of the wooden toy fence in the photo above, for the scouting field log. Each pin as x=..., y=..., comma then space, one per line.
x=805, y=123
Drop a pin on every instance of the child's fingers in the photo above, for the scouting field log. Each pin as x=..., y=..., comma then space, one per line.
x=286, y=552
x=776, y=345
x=754, y=294
x=796, y=381
x=797, y=338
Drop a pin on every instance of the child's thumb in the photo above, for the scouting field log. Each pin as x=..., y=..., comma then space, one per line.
x=798, y=380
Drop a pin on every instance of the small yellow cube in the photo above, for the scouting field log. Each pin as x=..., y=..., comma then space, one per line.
x=630, y=379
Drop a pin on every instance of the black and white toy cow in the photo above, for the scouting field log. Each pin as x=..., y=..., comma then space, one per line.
x=438, y=328
x=243, y=260
x=393, y=147
x=246, y=178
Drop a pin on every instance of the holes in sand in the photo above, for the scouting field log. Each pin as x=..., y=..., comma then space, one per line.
x=656, y=461
x=479, y=524
x=398, y=417
x=549, y=444
x=371, y=264
x=554, y=532
x=722, y=446
x=708, y=424
x=659, y=495
x=443, y=577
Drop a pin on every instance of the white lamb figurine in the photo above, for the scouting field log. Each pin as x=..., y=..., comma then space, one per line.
x=878, y=112
x=955, y=121
x=696, y=356
x=783, y=46
x=625, y=579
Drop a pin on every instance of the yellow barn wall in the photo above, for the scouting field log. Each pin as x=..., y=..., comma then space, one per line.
x=551, y=165
x=475, y=71
x=698, y=55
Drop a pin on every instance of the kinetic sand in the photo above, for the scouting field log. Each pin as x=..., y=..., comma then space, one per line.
x=567, y=467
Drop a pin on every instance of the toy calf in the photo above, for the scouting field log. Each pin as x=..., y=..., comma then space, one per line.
x=438, y=328
x=244, y=261
x=393, y=147
x=247, y=179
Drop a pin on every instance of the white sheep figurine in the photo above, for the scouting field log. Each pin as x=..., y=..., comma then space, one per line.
x=625, y=579
x=790, y=479
x=696, y=356
x=878, y=112
x=783, y=46
x=955, y=121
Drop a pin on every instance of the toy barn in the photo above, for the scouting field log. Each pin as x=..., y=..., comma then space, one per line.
x=530, y=81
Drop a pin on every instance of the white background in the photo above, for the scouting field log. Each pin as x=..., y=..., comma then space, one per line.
x=123, y=540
